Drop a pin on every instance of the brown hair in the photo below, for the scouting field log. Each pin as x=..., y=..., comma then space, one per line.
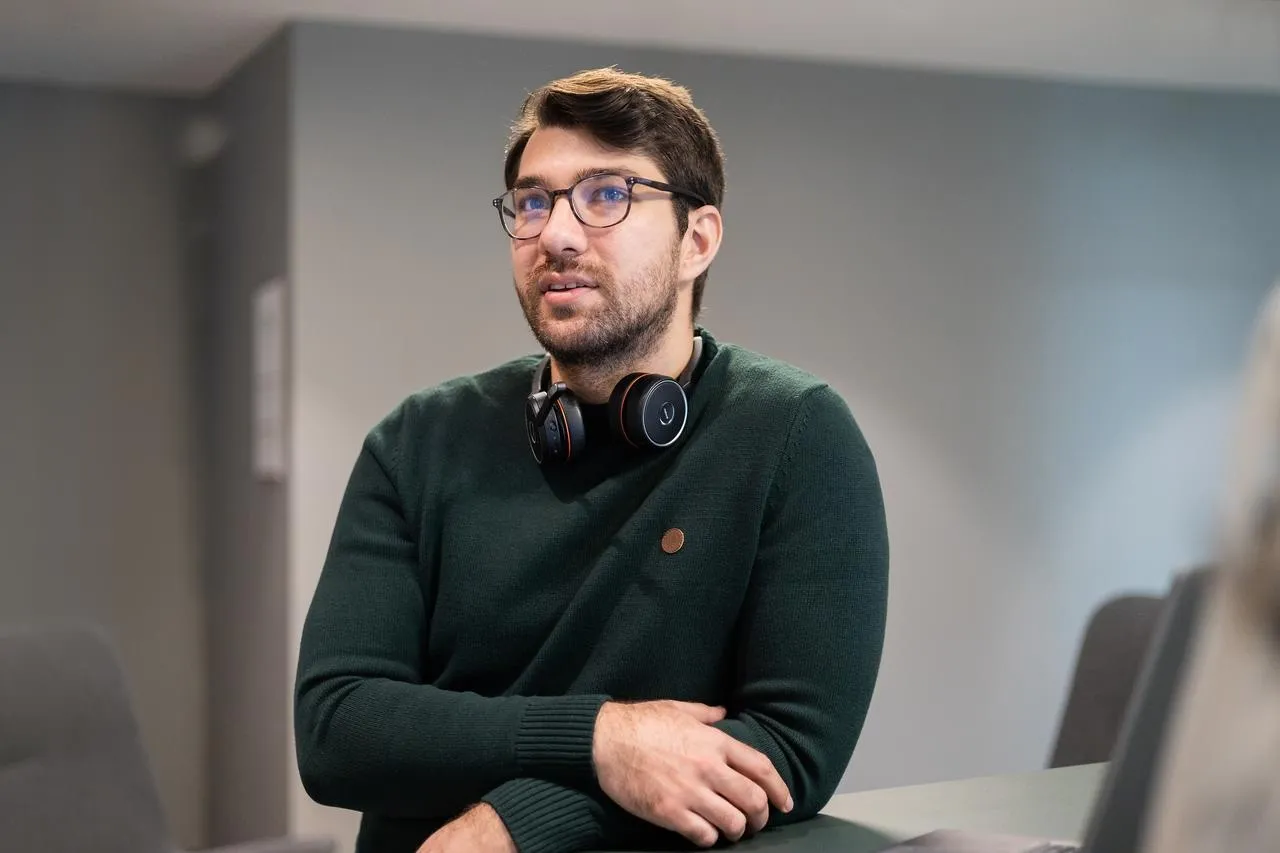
x=635, y=113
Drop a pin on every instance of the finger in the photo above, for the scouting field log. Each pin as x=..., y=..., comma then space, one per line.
x=721, y=814
x=757, y=767
x=695, y=828
x=744, y=794
x=703, y=713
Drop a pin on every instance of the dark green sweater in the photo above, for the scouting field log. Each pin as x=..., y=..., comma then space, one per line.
x=475, y=610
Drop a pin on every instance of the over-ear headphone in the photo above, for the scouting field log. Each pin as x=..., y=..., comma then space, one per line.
x=646, y=411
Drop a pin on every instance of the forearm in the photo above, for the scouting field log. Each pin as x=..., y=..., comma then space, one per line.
x=812, y=628
x=415, y=751
x=809, y=717
x=371, y=734
x=544, y=816
x=810, y=766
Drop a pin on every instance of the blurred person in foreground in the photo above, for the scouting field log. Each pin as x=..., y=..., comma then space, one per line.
x=665, y=623
x=1218, y=790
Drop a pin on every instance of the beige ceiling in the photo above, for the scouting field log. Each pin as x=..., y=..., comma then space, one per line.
x=187, y=45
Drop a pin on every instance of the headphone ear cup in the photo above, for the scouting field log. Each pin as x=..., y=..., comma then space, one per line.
x=648, y=410
x=562, y=436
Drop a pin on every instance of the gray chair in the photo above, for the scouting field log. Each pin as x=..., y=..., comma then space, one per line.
x=1107, y=667
x=74, y=776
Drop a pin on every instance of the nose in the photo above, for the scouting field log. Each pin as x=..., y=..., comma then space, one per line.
x=563, y=233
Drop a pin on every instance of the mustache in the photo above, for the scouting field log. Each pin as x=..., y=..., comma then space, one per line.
x=564, y=265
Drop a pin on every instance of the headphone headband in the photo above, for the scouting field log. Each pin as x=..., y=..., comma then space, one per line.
x=686, y=376
x=543, y=374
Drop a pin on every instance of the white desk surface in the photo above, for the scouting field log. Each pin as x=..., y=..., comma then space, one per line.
x=1048, y=803
x=1053, y=803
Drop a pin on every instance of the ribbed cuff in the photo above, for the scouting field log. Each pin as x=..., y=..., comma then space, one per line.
x=542, y=816
x=555, y=737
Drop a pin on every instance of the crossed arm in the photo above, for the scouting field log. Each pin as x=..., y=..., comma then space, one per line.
x=371, y=737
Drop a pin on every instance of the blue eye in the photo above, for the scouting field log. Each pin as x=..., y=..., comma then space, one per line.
x=532, y=202
x=610, y=195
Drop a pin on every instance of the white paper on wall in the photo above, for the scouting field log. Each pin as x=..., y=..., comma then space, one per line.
x=268, y=381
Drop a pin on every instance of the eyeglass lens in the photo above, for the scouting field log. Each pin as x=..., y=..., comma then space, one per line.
x=600, y=201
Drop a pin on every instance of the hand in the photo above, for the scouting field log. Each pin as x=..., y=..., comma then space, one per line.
x=664, y=762
x=477, y=830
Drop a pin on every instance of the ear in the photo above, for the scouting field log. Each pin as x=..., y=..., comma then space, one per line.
x=701, y=241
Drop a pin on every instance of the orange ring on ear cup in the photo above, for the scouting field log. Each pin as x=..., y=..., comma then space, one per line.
x=617, y=410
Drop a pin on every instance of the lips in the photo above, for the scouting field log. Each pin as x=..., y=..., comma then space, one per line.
x=559, y=282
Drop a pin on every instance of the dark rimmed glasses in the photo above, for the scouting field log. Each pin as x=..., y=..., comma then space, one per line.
x=597, y=201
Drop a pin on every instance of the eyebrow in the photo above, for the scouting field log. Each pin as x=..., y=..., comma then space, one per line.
x=527, y=181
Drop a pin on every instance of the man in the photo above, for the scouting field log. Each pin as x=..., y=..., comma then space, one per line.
x=664, y=624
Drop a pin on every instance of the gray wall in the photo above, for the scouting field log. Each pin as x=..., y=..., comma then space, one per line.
x=98, y=511
x=245, y=192
x=1034, y=297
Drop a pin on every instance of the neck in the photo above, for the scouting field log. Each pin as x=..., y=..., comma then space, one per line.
x=594, y=383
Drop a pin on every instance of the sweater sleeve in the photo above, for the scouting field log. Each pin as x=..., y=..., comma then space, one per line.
x=370, y=734
x=812, y=628
x=546, y=817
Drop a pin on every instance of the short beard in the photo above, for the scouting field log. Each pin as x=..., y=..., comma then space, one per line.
x=619, y=334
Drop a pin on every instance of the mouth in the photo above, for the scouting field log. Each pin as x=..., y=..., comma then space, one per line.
x=556, y=283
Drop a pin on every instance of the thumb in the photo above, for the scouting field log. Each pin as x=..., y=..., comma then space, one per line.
x=702, y=713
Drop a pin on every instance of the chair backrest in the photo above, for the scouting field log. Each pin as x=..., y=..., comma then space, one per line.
x=1107, y=666
x=74, y=775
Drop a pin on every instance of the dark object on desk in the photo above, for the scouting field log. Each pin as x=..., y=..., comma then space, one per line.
x=817, y=835
x=1120, y=812
x=1112, y=651
x=73, y=773
x=820, y=834
x=957, y=841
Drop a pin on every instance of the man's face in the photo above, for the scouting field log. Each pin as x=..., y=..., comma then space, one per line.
x=622, y=281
